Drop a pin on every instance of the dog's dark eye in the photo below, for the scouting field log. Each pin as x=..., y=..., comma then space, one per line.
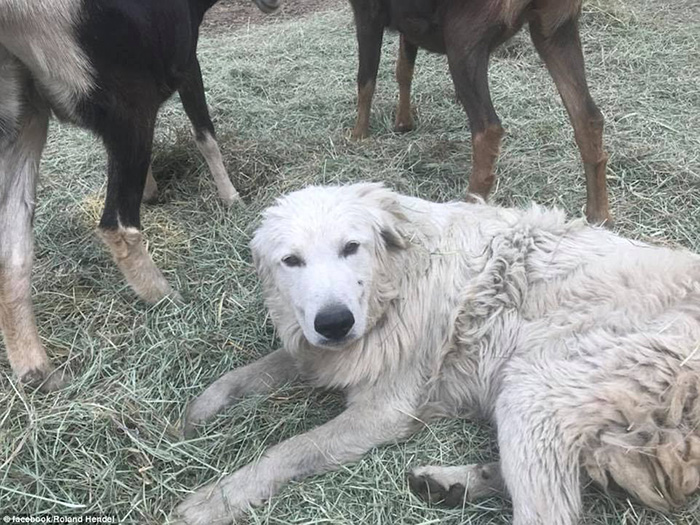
x=292, y=260
x=350, y=248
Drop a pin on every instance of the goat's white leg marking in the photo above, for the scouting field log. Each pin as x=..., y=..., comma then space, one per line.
x=20, y=151
x=150, y=191
x=209, y=149
x=132, y=258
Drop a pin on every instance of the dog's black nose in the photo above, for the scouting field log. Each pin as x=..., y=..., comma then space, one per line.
x=334, y=322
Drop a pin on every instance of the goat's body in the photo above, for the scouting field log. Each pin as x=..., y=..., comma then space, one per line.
x=468, y=31
x=104, y=65
x=92, y=60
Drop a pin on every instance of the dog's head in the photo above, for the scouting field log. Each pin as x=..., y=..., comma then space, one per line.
x=327, y=258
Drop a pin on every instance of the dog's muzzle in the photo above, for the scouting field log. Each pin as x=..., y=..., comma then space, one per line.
x=268, y=6
x=334, y=322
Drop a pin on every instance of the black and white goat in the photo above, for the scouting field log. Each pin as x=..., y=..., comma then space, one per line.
x=105, y=65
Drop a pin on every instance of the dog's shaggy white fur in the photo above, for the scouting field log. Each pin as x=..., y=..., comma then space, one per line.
x=582, y=347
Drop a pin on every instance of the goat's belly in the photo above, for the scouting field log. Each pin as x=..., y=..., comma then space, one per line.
x=423, y=34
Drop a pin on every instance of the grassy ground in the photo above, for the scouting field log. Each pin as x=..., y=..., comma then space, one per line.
x=283, y=99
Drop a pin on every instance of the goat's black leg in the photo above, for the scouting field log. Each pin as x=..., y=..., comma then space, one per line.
x=404, y=76
x=195, y=104
x=128, y=142
x=370, y=33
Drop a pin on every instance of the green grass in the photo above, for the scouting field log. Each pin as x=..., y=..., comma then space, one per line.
x=283, y=99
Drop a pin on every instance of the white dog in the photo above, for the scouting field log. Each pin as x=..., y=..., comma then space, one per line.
x=583, y=348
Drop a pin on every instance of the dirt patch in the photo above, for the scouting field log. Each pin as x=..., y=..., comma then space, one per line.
x=233, y=14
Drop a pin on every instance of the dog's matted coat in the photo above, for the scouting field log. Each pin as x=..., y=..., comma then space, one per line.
x=582, y=347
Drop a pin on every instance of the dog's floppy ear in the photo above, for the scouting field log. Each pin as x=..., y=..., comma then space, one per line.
x=260, y=261
x=388, y=212
x=393, y=238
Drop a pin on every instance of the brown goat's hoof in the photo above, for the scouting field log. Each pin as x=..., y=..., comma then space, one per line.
x=403, y=127
x=604, y=220
x=359, y=134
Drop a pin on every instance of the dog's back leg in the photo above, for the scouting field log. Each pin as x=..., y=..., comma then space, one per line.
x=23, y=125
x=539, y=466
x=128, y=144
x=195, y=104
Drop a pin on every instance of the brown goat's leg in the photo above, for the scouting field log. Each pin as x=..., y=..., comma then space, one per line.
x=468, y=48
x=404, y=76
x=370, y=32
x=561, y=52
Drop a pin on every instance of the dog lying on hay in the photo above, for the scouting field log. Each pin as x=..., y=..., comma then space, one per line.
x=582, y=347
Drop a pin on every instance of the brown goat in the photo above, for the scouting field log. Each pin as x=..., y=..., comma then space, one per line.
x=468, y=31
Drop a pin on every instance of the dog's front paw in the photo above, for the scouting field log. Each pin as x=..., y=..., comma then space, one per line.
x=196, y=413
x=207, y=506
x=205, y=406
